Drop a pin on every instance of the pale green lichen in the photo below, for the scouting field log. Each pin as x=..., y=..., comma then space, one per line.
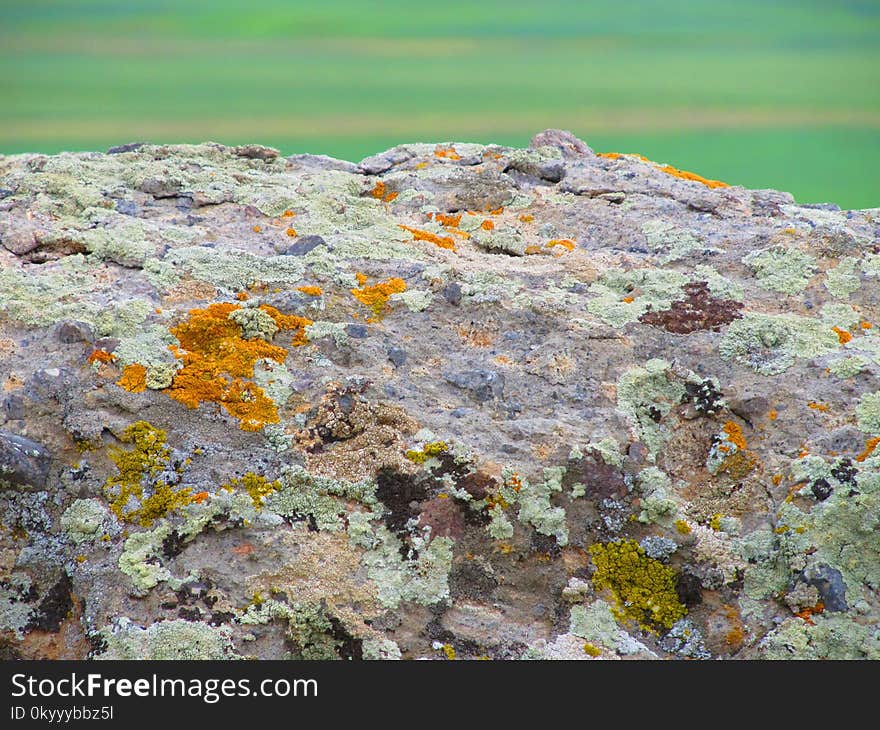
x=166, y=640
x=488, y=286
x=414, y=300
x=536, y=508
x=770, y=344
x=843, y=279
x=847, y=367
x=320, y=498
x=147, y=346
x=840, y=315
x=826, y=636
x=424, y=580
x=139, y=559
x=255, y=323
x=621, y=297
x=786, y=270
x=658, y=500
x=506, y=240
x=645, y=395
x=669, y=241
x=596, y=624
x=15, y=608
x=337, y=330
x=500, y=527
x=234, y=269
x=868, y=413
x=871, y=264
x=82, y=521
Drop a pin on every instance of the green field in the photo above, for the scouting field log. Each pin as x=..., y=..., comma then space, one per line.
x=782, y=94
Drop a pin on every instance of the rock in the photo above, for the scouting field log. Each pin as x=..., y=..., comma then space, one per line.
x=302, y=245
x=70, y=332
x=397, y=356
x=483, y=385
x=515, y=403
x=570, y=145
x=128, y=147
x=24, y=464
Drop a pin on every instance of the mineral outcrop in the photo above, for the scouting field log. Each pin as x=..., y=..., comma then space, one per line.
x=454, y=401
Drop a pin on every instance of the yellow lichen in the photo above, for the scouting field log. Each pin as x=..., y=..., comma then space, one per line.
x=148, y=458
x=433, y=449
x=643, y=588
x=257, y=487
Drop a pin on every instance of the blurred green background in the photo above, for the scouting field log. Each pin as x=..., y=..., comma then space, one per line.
x=765, y=94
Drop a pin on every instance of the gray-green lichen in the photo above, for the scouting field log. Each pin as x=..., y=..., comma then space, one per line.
x=645, y=395
x=255, y=323
x=596, y=624
x=669, y=241
x=535, y=507
x=786, y=270
x=847, y=367
x=826, y=636
x=657, y=500
x=82, y=521
x=868, y=413
x=843, y=279
x=770, y=344
x=175, y=639
x=414, y=300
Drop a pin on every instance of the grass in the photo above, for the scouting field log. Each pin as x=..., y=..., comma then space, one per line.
x=783, y=95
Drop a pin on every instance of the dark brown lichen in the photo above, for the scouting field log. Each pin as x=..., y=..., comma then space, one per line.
x=699, y=310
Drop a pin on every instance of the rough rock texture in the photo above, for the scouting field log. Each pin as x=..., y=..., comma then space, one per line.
x=455, y=401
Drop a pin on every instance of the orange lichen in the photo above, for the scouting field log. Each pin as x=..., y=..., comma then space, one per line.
x=288, y=214
x=684, y=175
x=842, y=335
x=134, y=378
x=777, y=479
x=257, y=229
x=870, y=445
x=772, y=415
x=734, y=434
x=807, y=613
x=496, y=211
x=442, y=241
x=312, y=291
x=618, y=155
x=242, y=296
x=526, y=218
x=200, y=497
x=380, y=192
x=447, y=153
x=566, y=243
x=629, y=300
x=291, y=232
x=216, y=357
x=817, y=406
x=487, y=225
x=376, y=296
x=533, y=249
x=446, y=220
x=101, y=356
x=865, y=325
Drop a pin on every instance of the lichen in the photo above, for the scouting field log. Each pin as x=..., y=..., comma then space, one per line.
x=643, y=588
x=782, y=269
x=843, y=279
x=376, y=296
x=255, y=323
x=770, y=344
x=670, y=242
x=868, y=413
x=83, y=520
x=415, y=301
x=166, y=640
x=621, y=297
x=536, y=508
x=256, y=485
x=658, y=500
x=217, y=358
x=646, y=395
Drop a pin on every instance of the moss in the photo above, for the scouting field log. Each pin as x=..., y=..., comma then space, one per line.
x=176, y=639
x=643, y=588
x=843, y=279
x=645, y=395
x=536, y=509
x=770, y=344
x=868, y=413
x=83, y=520
x=669, y=241
x=255, y=323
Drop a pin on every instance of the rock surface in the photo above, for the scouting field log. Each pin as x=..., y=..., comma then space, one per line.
x=455, y=401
